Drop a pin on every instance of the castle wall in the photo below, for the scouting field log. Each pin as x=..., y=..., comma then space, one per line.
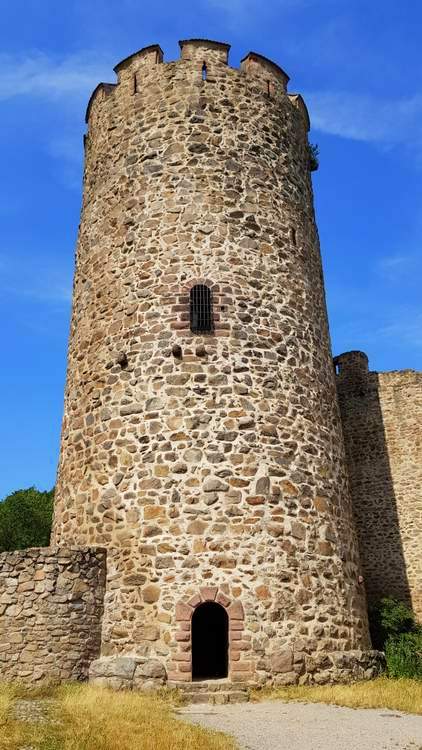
x=217, y=460
x=51, y=603
x=382, y=418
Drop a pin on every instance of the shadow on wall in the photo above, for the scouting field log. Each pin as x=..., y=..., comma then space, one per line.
x=372, y=487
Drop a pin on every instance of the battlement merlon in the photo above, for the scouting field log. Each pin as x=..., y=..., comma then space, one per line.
x=103, y=89
x=269, y=76
x=298, y=102
x=257, y=66
x=145, y=57
x=201, y=49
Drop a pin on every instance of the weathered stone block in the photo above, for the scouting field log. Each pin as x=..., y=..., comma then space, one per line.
x=120, y=667
x=151, y=593
x=282, y=661
x=149, y=675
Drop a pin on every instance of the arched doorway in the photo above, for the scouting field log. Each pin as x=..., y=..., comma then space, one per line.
x=210, y=641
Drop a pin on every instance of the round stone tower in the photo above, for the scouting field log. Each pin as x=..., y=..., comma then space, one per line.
x=201, y=441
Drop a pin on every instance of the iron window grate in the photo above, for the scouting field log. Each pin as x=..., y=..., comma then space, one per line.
x=201, y=309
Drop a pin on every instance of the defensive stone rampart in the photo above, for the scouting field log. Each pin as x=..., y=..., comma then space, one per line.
x=382, y=418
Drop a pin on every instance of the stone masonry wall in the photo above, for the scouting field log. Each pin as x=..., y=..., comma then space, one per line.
x=382, y=424
x=210, y=460
x=51, y=604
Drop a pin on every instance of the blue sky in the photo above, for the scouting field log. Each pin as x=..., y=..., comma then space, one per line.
x=356, y=62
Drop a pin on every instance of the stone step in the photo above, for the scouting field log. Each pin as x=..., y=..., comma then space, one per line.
x=217, y=699
x=215, y=692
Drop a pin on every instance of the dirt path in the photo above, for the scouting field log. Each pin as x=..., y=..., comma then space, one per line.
x=274, y=725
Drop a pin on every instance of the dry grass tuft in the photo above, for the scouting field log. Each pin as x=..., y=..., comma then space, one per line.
x=100, y=719
x=92, y=718
x=13, y=734
x=6, y=696
x=398, y=695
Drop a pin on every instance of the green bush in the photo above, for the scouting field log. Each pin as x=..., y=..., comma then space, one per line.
x=25, y=519
x=395, y=631
x=389, y=617
x=313, y=151
x=403, y=654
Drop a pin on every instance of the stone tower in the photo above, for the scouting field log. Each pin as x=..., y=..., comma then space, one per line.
x=202, y=444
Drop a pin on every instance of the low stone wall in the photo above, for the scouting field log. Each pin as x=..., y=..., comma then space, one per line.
x=51, y=605
x=322, y=668
x=288, y=668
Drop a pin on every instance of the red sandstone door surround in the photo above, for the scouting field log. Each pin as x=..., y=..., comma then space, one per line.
x=239, y=669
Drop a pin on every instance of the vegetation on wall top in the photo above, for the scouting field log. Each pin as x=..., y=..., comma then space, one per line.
x=25, y=519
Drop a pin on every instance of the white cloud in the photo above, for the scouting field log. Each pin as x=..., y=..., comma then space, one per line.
x=240, y=15
x=406, y=329
x=42, y=281
x=232, y=6
x=67, y=150
x=67, y=84
x=394, y=261
x=240, y=6
x=40, y=75
x=400, y=268
x=366, y=118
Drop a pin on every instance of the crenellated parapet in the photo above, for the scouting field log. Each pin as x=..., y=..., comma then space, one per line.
x=203, y=60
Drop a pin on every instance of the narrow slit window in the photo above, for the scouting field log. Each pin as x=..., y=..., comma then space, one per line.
x=201, y=309
x=293, y=236
x=204, y=71
x=135, y=84
x=269, y=88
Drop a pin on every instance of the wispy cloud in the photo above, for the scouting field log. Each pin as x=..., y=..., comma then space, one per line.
x=66, y=84
x=67, y=149
x=368, y=118
x=401, y=267
x=405, y=329
x=244, y=14
x=41, y=75
x=241, y=6
x=379, y=311
x=43, y=282
x=380, y=330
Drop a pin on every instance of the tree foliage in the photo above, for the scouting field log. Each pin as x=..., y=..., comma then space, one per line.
x=25, y=519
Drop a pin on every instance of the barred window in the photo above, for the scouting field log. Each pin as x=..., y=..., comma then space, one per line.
x=201, y=309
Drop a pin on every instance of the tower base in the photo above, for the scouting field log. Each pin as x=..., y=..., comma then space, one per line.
x=132, y=672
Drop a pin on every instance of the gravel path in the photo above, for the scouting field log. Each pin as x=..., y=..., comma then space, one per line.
x=274, y=725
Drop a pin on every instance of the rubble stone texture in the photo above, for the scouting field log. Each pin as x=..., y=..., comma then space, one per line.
x=211, y=467
x=51, y=605
x=382, y=418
